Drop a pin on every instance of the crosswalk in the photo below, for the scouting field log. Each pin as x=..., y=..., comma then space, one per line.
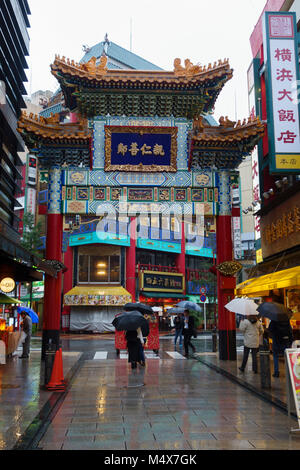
x=103, y=355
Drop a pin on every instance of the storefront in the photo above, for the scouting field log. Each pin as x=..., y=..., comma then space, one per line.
x=161, y=290
x=93, y=308
x=284, y=284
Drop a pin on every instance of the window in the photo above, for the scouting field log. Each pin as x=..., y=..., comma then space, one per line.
x=99, y=264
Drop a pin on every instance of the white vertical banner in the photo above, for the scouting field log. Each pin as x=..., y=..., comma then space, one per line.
x=282, y=78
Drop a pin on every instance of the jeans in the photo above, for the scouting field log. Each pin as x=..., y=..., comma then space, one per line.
x=178, y=333
x=254, y=352
x=142, y=353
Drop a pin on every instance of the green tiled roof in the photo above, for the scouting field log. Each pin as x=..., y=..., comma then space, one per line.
x=126, y=58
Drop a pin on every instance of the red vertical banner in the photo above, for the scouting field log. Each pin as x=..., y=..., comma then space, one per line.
x=131, y=260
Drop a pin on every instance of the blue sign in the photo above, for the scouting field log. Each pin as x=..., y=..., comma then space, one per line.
x=140, y=148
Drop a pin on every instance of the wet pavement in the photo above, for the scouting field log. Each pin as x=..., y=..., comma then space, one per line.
x=173, y=403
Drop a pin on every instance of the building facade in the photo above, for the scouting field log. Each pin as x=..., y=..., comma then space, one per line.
x=15, y=262
x=139, y=191
x=273, y=79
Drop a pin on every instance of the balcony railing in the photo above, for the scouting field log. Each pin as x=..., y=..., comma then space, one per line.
x=157, y=267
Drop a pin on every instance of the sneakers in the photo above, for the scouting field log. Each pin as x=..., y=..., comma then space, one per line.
x=276, y=374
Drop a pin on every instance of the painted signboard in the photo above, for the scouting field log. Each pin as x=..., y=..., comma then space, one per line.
x=282, y=78
x=140, y=148
x=292, y=358
x=154, y=281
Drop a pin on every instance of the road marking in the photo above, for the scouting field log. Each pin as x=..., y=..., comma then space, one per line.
x=101, y=355
x=175, y=355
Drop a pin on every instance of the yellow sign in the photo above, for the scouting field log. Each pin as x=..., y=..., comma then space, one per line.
x=7, y=285
x=288, y=162
x=259, y=257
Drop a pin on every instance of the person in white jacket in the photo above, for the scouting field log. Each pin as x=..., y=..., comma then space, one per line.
x=252, y=328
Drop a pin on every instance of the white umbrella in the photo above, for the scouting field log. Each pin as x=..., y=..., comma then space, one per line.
x=242, y=306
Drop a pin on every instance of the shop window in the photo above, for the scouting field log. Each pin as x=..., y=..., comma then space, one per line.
x=99, y=264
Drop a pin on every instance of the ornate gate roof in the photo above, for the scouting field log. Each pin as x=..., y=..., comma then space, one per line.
x=187, y=91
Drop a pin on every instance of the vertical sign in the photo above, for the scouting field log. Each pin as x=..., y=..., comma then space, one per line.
x=255, y=160
x=292, y=357
x=282, y=79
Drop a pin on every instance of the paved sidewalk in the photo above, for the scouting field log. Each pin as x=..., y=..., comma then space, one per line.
x=230, y=369
x=24, y=403
x=184, y=405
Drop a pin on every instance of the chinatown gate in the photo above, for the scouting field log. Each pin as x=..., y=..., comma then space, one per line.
x=137, y=167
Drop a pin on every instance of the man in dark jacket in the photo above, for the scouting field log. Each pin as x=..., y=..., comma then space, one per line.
x=188, y=332
x=282, y=338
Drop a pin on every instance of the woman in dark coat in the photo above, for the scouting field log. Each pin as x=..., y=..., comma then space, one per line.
x=133, y=346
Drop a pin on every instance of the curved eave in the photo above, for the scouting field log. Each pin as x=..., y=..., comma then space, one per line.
x=76, y=83
x=103, y=78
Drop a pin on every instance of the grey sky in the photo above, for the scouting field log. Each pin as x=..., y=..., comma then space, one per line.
x=201, y=30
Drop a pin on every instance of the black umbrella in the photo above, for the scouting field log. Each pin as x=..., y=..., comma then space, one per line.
x=128, y=321
x=143, y=308
x=274, y=311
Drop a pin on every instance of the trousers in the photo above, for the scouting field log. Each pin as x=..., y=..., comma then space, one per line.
x=26, y=346
x=254, y=352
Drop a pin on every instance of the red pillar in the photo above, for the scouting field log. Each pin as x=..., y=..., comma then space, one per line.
x=52, y=295
x=68, y=278
x=226, y=285
x=131, y=260
x=180, y=260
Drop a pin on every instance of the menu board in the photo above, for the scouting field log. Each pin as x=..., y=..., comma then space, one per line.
x=292, y=357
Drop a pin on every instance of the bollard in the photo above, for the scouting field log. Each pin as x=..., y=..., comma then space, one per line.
x=49, y=360
x=265, y=372
x=214, y=340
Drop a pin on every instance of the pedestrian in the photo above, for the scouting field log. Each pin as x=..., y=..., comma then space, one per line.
x=142, y=343
x=282, y=337
x=26, y=326
x=133, y=347
x=252, y=329
x=178, y=324
x=188, y=332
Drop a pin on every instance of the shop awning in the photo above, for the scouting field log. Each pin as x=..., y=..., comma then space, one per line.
x=6, y=300
x=97, y=296
x=163, y=295
x=261, y=286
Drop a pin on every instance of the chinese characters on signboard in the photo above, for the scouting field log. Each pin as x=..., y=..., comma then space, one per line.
x=140, y=148
x=280, y=228
x=255, y=162
x=283, y=70
x=161, y=282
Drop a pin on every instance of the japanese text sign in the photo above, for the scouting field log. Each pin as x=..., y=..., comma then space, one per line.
x=161, y=282
x=282, y=78
x=140, y=148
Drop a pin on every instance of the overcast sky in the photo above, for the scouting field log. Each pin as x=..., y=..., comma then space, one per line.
x=202, y=30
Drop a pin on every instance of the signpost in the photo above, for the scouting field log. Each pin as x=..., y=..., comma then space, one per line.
x=292, y=364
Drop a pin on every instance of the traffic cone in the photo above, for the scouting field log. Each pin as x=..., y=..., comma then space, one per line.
x=61, y=368
x=55, y=383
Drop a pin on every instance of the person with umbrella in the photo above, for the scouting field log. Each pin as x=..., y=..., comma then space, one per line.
x=132, y=321
x=279, y=328
x=188, y=332
x=27, y=328
x=252, y=330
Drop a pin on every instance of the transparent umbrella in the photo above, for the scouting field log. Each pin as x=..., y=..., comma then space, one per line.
x=188, y=305
x=242, y=306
